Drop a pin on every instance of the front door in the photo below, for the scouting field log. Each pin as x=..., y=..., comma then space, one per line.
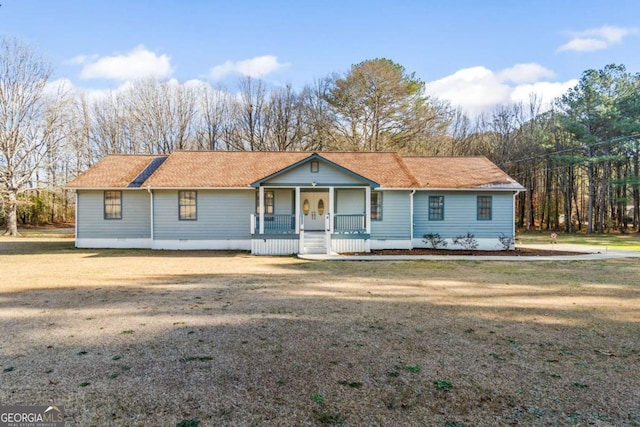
x=314, y=208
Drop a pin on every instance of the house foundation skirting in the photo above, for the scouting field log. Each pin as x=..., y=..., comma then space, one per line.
x=268, y=246
x=188, y=244
x=350, y=245
x=113, y=243
x=390, y=244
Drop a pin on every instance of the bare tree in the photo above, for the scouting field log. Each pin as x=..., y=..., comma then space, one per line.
x=162, y=114
x=249, y=127
x=30, y=121
x=213, y=117
x=110, y=126
x=286, y=121
x=318, y=120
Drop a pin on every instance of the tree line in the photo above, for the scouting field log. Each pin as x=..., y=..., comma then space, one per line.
x=578, y=159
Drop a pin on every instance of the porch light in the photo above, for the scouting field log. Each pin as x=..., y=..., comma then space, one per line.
x=313, y=183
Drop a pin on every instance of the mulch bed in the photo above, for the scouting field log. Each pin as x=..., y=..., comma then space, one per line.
x=516, y=252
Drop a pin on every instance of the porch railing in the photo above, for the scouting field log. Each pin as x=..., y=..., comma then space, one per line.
x=275, y=224
x=353, y=223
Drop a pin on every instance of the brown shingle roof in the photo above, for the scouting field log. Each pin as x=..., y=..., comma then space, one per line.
x=220, y=169
x=458, y=172
x=113, y=171
x=387, y=169
x=202, y=169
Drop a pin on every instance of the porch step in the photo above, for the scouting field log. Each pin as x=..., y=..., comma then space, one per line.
x=315, y=243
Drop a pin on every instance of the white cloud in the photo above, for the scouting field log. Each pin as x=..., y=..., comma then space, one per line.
x=137, y=64
x=56, y=87
x=479, y=90
x=598, y=38
x=66, y=86
x=584, y=45
x=525, y=73
x=257, y=67
x=547, y=91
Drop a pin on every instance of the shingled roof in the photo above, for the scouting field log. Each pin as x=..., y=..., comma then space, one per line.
x=117, y=171
x=239, y=169
x=458, y=172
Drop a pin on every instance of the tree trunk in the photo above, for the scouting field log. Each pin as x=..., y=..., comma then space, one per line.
x=636, y=193
x=592, y=196
x=12, y=214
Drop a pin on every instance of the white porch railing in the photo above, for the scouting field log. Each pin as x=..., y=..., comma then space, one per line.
x=274, y=224
x=352, y=223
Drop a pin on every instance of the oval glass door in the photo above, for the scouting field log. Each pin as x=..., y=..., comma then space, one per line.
x=320, y=207
x=306, y=207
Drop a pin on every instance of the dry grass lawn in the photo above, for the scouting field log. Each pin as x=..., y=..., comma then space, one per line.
x=141, y=338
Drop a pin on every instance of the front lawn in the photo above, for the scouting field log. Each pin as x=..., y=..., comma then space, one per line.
x=137, y=338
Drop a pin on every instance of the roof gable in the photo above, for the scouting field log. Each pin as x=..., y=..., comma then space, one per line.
x=300, y=173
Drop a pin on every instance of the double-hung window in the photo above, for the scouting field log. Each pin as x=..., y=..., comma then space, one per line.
x=376, y=205
x=485, y=208
x=269, y=202
x=113, y=205
x=436, y=208
x=188, y=205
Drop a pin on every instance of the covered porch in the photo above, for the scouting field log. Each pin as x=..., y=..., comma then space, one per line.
x=311, y=219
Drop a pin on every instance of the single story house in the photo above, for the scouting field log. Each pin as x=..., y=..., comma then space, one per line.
x=275, y=203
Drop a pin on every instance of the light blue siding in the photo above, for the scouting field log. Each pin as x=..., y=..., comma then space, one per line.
x=350, y=201
x=460, y=215
x=326, y=175
x=396, y=216
x=222, y=215
x=284, y=201
x=135, y=222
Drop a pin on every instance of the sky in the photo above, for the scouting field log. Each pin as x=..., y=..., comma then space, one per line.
x=475, y=54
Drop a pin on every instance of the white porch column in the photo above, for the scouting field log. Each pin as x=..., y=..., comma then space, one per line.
x=75, y=231
x=367, y=204
x=261, y=204
x=297, y=210
x=331, y=209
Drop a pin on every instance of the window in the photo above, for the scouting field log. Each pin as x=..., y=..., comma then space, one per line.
x=113, y=205
x=269, y=202
x=188, y=205
x=436, y=208
x=484, y=208
x=376, y=205
x=315, y=166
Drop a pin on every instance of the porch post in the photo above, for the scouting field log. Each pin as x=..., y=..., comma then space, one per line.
x=297, y=210
x=367, y=204
x=261, y=204
x=75, y=231
x=331, y=209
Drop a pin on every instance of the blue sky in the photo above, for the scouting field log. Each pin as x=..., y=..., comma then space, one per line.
x=476, y=54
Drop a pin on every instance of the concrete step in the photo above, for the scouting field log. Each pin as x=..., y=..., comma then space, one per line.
x=315, y=250
x=315, y=243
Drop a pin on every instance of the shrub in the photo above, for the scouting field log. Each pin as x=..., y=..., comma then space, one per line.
x=507, y=242
x=467, y=241
x=434, y=240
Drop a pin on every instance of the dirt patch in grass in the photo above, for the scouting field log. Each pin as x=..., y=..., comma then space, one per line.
x=161, y=337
